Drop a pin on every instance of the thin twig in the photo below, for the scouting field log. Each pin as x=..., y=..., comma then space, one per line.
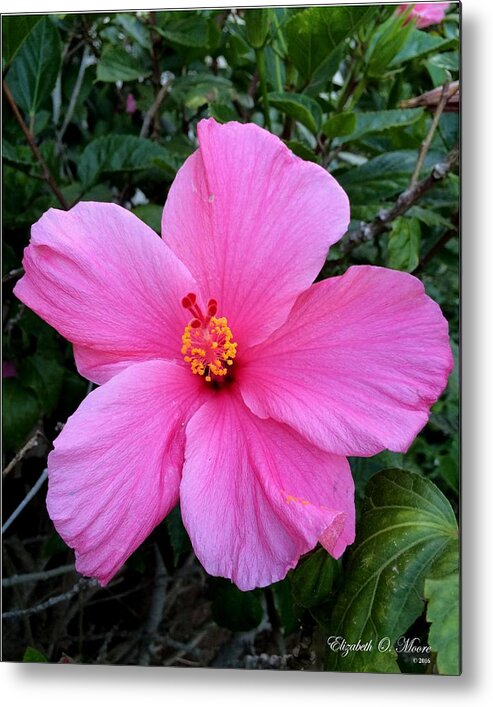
x=47, y=176
x=13, y=273
x=443, y=240
x=368, y=231
x=26, y=500
x=189, y=647
x=146, y=124
x=53, y=601
x=156, y=609
x=425, y=146
x=36, y=576
x=30, y=444
x=84, y=63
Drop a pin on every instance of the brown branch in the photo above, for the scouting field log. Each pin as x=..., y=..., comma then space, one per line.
x=148, y=118
x=30, y=444
x=369, y=231
x=425, y=146
x=47, y=176
x=441, y=242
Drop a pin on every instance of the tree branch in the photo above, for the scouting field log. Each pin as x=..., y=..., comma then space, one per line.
x=425, y=146
x=53, y=601
x=26, y=500
x=369, y=231
x=36, y=576
x=47, y=176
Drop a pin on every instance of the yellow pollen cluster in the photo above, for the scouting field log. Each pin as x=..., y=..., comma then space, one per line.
x=209, y=348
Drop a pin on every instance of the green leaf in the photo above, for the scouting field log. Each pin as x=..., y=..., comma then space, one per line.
x=388, y=40
x=429, y=217
x=448, y=60
x=116, y=64
x=150, y=214
x=32, y=655
x=298, y=107
x=287, y=611
x=420, y=44
x=178, y=536
x=45, y=377
x=222, y=112
x=443, y=614
x=382, y=177
x=15, y=29
x=21, y=410
x=234, y=609
x=313, y=34
x=135, y=29
x=375, y=122
x=119, y=153
x=313, y=579
x=34, y=71
x=197, y=90
x=257, y=26
x=339, y=124
x=406, y=533
x=302, y=150
x=404, y=244
x=184, y=28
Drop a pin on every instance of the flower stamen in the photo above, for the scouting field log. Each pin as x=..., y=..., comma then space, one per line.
x=207, y=342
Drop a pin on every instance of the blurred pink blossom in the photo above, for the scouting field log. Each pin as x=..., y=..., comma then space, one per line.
x=426, y=13
x=8, y=370
x=131, y=104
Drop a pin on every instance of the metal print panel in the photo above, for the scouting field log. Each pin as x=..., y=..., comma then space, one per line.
x=231, y=336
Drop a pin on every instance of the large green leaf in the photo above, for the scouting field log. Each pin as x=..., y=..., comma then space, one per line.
x=186, y=29
x=406, y=534
x=234, y=609
x=34, y=71
x=32, y=655
x=390, y=37
x=404, y=244
x=443, y=614
x=420, y=44
x=313, y=34
x=15, y=29
x=21, y=410
x=119, y=153
x=197, y=90
x=257, y=26
x=116, y=64
x=299, y=107
x=382, y=177
x=45, y=377
x=135, y=28
x=375, y=122
x=312, y=580
x=340, y=124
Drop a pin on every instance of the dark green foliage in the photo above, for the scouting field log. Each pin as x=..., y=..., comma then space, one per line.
x=112, y=101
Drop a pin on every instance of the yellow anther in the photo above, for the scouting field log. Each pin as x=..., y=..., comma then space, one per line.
x=209, y=348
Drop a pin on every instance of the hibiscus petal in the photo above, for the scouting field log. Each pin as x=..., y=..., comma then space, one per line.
x=357, y=365
x=255, y=495
x=253, y=223
x=115, y=470
x=107, y=283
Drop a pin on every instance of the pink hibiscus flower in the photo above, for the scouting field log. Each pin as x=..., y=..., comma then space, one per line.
x=228, y=380
x=426, y=13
